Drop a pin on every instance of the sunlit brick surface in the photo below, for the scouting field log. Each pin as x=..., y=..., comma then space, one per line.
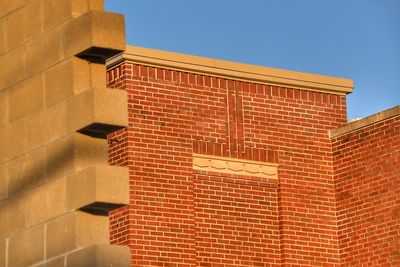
x=183, y=217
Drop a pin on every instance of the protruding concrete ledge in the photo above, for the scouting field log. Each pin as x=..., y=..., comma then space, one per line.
x=95, y=36
x=98, y=189
x=352, y=126
x=97, y=106
x=233, y=70
x=100, y=256
x=235, y=166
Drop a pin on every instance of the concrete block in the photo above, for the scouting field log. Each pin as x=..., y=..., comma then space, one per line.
x=104, y=106
x=46, y=126
x=89, y=151
x=13, y=67
x=55, y=197
x=15, y=30
x=100, y=256
x=58, y=83
x=3, y=143
x=99, y=189
x=61, y=235
x=116, y=112
x=91, y=229
x=67, y=78
x=12, y=5
x=79, y=7
x=26, y=98
x=36, y=206
x=26, y=171
x=3, y=247
x=80, y=111
x=3, y=108
x=35, y=244
x=55, y=123
x=2, y=35
x=13, y=140
x=16, y=256
x=56, y=12
x=15, y=214
x=74, y=152
x=95, y=36
x=3, y=9
x=60, y=157
x=16, y=139
x=3, y=72
x=3, y=220
x=74, y=230
x=3, y=182
x=98, y=75
x=53, y=45
x=96, y=5
x=35, y=56
x=37, y=134
x=45, y=201
x=32, y=18
x=81, y=75
x=27, y=247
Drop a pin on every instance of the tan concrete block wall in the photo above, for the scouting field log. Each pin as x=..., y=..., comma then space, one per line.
x=52, y=84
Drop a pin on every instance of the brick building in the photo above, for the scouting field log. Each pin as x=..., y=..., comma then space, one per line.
x=151, y=158
x=239, y=165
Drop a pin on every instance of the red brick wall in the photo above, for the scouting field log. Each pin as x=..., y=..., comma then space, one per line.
x=367, y=164
x=237, y=221
x=176, y=215
x=295, y=123
x=118, y=148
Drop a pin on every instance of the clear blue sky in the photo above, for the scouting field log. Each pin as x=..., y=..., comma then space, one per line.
x=357, y=39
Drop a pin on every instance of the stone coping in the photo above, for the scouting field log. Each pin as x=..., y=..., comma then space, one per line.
x=357, y=124
x=233, y=70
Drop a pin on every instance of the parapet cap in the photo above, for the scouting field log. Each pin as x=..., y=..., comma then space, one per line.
x=234, y=70
x=357, y=124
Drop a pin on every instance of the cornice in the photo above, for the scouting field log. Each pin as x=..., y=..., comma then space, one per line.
x=233, y=70
x=364, y=122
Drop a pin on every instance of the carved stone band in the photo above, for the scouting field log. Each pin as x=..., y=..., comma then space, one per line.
x=235, y=166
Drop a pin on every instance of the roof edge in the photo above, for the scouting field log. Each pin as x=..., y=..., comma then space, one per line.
x=234, y=70
x=361, y=123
